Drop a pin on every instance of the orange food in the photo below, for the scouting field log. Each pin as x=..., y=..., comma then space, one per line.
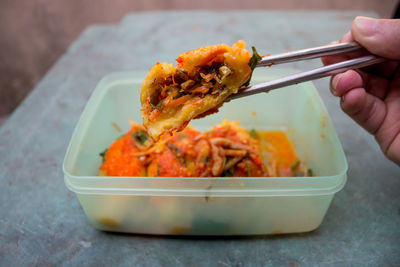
x=202, y=80
x=229, y=135
x=226, y=150
x=182, y=155
x=119, y=159
x=279, y=155
x=282, y=148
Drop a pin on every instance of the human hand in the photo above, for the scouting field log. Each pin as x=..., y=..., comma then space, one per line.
x=371, y=96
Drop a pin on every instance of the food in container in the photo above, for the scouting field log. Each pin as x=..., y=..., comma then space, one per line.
x=227, y=150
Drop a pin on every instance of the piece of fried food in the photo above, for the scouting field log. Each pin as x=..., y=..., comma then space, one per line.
x=203, y=78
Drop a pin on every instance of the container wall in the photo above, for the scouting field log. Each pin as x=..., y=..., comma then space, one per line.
x=184, y=206
x=205, y=216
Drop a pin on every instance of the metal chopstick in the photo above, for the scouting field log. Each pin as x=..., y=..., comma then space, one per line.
x=309, y=53
x=308, y=75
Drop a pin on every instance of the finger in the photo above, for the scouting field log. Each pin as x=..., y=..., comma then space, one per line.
x=344, y=82
x=379, y=36
x=347, y=37
x=328, y=60
x=388, y=136
x=385, y=69
x=393, y=150
x=374, y=84
x=342, y=57
x=367, y=110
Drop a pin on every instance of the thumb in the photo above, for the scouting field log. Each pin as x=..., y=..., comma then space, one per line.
x=379, y=36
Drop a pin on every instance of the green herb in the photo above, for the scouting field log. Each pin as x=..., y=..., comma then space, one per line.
x=103, y=154
x=295, y=165
x=229, y=172
x=140, y=136
x=159, y=105
x=152, y=105
x=309, y=172
x=206, y=159
x=298, y=174
x=253, y=63
x=246, y=83
x=254, y=58
x=253, y=134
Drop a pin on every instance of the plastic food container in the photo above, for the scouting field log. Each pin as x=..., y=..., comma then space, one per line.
x=208, y=206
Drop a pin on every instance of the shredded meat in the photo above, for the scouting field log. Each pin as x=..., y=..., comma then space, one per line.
x=188, y=84
x=223, y=148
x=232, y=162
x=218, y=157
x=235, y=153
x=203, y=149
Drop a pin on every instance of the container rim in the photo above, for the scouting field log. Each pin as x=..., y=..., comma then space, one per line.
x=208, y=192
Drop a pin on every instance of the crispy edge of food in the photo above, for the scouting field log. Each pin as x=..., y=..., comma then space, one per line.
x=235, y=57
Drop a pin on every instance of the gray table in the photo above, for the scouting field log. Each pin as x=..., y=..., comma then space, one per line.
x=42, y=223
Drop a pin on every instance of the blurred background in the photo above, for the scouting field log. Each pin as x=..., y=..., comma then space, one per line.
x=35, y=33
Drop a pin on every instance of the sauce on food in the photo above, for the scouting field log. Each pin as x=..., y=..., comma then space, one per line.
x=227, y=150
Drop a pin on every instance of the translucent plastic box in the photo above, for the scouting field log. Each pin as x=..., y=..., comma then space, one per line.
x=208, y=206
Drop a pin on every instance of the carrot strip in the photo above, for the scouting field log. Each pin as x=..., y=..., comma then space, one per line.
x=203, y=89
x=177, y=102
x=154, y=114
x=169, y=98
x=195, y=102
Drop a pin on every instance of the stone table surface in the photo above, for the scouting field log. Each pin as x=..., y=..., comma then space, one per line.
x=42, y=223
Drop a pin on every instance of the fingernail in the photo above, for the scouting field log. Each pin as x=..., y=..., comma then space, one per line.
x=335, y=82
x=366, y=26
